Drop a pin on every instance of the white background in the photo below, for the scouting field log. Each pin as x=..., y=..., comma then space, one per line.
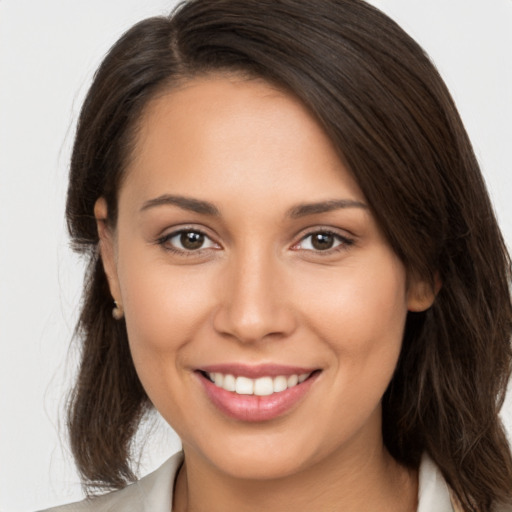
x=48, y=52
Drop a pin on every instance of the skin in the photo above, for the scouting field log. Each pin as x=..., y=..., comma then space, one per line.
x=259, y=292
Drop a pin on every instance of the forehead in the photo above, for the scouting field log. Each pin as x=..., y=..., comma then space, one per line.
x=230, y=132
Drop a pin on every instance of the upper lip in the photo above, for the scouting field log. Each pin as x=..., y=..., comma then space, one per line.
x=255, y=371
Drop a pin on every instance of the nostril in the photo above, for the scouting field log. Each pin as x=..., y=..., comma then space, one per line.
x=252, y=323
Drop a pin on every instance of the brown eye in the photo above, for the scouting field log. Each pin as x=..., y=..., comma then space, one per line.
x=187, y=241
x=191, y=240
x=322, y=241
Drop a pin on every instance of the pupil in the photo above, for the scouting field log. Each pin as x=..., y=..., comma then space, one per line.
x=191, y=240
x=322, y=241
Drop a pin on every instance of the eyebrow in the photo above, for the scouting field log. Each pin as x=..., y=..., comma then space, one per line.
x=207, y=208
x=185, y=203
x=305, y=209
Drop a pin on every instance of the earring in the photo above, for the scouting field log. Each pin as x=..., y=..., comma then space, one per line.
x=117, y=311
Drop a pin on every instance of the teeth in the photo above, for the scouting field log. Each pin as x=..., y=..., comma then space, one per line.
x=262, y=386
x=292, y=380
x=280, y=384
x=244, y=386
x=229, y=383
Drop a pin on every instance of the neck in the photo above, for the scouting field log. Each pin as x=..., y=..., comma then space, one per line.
x=370, y=481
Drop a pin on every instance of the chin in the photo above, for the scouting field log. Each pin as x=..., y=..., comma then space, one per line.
x=260, y=465
x=261, y=456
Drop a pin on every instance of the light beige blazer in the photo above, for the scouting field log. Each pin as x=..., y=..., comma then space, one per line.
x=153, y=493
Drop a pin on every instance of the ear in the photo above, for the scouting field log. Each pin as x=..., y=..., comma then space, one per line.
x=422, y=293
x=107, y=248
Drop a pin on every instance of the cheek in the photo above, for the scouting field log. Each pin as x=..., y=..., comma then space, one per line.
x=361, y=307
x=361, y=321
x=360, y=315
x=163, y=311
x=164, y=308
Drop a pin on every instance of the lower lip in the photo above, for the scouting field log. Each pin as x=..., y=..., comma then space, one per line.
x=253, y=408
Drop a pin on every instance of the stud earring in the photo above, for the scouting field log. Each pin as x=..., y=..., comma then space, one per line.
x=117, y=311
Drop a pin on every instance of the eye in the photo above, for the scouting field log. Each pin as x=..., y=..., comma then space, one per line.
x=187, y=240
x=323, y=241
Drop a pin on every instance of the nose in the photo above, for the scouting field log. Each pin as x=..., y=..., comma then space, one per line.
x=254, y=301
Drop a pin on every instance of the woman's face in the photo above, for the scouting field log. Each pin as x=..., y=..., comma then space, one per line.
x=245, y=254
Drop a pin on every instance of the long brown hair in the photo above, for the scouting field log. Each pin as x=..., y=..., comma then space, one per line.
x=387, y=111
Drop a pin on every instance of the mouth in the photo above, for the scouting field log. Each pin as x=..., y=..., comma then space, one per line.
x=262, y=386
x=253, y=394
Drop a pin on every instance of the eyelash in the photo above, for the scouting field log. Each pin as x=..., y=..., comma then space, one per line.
x=344, y=242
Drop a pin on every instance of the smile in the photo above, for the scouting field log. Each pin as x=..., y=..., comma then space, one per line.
x=262, y=386
x=255, y=394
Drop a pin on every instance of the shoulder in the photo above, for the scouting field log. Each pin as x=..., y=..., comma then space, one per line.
x=151, y=493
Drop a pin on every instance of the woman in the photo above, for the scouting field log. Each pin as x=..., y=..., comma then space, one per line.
x=294, y=259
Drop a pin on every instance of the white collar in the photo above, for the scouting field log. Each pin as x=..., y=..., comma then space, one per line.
x=433, y=492
x=154, y=492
